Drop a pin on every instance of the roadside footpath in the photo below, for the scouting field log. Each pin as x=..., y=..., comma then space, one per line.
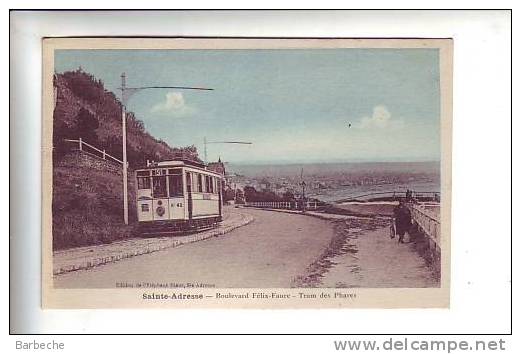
x=80, y=258
x=325, y=216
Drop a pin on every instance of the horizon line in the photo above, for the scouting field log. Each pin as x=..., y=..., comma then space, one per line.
x=282, y=162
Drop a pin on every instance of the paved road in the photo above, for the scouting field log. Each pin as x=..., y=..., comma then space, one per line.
x=270, y=252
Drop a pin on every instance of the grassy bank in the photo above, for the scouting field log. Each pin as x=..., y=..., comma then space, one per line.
x=88, y=207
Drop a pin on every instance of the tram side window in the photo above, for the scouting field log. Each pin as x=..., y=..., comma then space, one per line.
x=194, y=181
x=189, y=182
x=159, y=186
x=199, y=182
x=208, y=184
x=175, y=185
x=143, y=182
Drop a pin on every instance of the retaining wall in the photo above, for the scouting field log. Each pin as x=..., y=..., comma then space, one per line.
x=85, y=159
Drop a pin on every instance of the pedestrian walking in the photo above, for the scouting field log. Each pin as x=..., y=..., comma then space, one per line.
x=402, y=220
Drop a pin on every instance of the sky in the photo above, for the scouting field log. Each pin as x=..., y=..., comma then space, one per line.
x=293, y=105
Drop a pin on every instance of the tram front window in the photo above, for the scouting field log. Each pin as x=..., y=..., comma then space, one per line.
x=159, y=186
x=175, y=185
x=143, y=183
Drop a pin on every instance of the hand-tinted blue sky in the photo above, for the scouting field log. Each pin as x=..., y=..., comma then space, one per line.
x=294, y=105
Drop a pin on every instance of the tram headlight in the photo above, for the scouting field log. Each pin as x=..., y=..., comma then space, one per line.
x=160, y=210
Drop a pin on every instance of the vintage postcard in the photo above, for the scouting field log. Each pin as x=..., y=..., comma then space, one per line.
x=246, y=173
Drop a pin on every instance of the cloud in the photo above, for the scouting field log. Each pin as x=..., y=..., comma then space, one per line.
x=381, y=119
x=175, y=105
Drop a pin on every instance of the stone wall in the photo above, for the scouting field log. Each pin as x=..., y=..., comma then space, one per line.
x=427, y=248
x=77, y=158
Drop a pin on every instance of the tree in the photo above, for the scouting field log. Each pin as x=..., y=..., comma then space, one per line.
x=250, y=193
x=87, y=125
x=84, y=85
x=239, y=199
x=229, y=194
x=288, y=196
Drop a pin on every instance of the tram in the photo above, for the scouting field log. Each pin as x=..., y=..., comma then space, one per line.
x=178, y=196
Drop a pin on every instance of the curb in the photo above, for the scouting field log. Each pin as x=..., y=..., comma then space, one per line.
x=94, y=262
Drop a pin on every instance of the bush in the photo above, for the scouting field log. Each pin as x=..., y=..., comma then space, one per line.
x=88, y=208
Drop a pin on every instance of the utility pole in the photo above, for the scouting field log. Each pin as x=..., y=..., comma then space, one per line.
x=126, y=92
x=303, y=184
x=125, y=165
x=206, y=142
x=205, y=151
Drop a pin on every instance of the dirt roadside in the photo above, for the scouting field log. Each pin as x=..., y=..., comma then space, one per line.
x=362, y=255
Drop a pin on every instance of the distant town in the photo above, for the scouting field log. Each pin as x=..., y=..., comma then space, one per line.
x=325, y=182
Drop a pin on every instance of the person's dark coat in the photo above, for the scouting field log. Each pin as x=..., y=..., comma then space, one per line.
x=402, y=217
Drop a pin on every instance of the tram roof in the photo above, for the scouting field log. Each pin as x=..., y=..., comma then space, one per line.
x=180, y=163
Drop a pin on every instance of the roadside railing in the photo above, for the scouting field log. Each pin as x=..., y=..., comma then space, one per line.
x=295, y=205
x=427, y=222
x=426, y=195
x=86, y=147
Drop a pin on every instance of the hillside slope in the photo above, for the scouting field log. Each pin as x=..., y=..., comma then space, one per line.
x=84, y=108
x=88, y=207
x=88, y=202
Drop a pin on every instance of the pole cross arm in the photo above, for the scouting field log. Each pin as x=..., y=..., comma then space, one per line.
x=171, y=87
x=221, y=142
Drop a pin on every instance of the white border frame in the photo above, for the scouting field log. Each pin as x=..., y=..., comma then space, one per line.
x=481, y=125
